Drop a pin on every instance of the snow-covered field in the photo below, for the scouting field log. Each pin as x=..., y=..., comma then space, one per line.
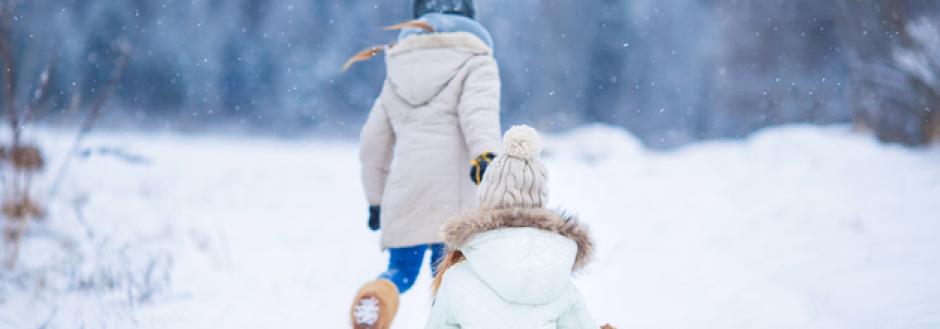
x=795, y=227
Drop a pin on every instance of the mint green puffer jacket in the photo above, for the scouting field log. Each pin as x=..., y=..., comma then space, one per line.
x=517, y=272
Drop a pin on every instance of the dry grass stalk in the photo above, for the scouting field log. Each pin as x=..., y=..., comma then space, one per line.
x=91, y=118
x=9, y=68
x=18, y=213
x=21, y=210
x=933, y=127
x=27, y=158
x=18, y=161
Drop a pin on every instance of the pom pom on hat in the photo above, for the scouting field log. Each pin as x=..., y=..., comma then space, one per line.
x=522, y=142
x=516, y=178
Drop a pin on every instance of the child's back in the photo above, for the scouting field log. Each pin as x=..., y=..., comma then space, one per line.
x=439, y=108
x=510, y=262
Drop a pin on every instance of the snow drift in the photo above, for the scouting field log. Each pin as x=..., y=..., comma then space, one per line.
x=794, y=227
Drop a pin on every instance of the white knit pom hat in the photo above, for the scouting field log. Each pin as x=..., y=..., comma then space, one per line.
x=516, y=178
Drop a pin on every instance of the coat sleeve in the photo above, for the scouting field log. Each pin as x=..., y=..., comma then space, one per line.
x=578, y=316
x=377, y=139
x=478, y=110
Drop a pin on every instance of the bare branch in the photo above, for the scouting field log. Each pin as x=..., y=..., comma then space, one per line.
x=121, y=62
x=42, y=89
x=89, y=122
x=9, y=69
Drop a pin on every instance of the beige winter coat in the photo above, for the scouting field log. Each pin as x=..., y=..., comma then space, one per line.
x=439, y=108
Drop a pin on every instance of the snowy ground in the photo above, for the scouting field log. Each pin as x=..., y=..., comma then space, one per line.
x=796, y=227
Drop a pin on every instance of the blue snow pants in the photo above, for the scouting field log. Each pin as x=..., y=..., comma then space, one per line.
x=404, y=264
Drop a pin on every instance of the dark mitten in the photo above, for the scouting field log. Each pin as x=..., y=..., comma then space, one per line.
x=374, y=223
x=478, y=166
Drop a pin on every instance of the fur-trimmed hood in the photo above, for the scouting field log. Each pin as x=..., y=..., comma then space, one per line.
x=460, y=230
x=526, y=256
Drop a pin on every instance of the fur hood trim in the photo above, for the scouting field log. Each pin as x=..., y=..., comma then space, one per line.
x=460, y=40
x=460, y=230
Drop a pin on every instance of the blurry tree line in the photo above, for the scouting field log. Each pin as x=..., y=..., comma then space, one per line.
x=670, y=71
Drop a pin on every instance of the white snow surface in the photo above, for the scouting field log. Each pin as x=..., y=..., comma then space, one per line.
x=793, y=227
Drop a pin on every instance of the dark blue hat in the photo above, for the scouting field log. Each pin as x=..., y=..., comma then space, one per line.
x=453, y=7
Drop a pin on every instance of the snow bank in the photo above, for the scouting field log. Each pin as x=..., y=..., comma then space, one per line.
x=796, y=226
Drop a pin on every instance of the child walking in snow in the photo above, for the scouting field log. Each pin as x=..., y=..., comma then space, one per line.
x=438, y=109
x=509, y=263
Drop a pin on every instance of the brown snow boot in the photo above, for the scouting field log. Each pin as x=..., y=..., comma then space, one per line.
x=375, y=305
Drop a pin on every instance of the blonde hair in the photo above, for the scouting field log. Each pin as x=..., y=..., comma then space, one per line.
x=452, y=258
x=370, y=52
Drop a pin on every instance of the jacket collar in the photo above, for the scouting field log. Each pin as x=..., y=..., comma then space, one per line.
x=459, y=231
x=450, y=23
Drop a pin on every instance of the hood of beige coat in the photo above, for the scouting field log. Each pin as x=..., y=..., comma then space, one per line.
x=420, y=66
